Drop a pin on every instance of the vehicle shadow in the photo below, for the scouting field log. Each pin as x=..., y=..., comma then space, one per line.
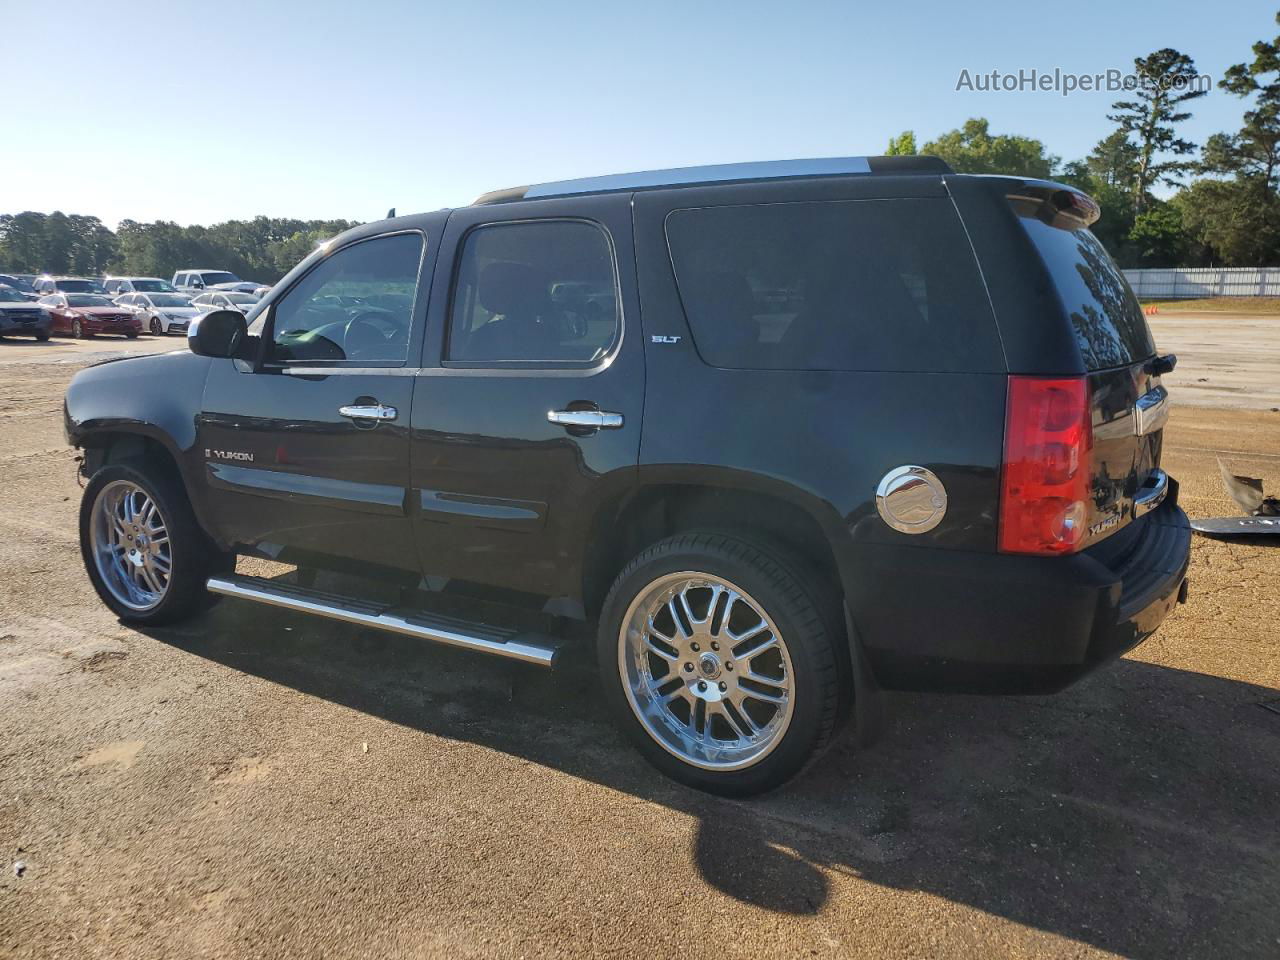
x=1136, y=812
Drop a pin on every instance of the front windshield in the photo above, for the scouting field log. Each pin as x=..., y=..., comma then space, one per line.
x=87, y=300
x=214, y=277
x=79, y=286
x=170, y=300
x=153, y=286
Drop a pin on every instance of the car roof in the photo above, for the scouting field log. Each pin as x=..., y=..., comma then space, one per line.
x=126, y=277
x=722, y=173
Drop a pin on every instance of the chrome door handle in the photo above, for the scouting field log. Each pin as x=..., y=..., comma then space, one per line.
x=368, y=412
x=592, y=419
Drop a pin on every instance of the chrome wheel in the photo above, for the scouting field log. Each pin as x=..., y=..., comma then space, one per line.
x=130, y=543
x=706, y=671
x=155, y=327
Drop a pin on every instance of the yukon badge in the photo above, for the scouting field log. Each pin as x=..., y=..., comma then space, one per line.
x=911, y=499
x=228, y=455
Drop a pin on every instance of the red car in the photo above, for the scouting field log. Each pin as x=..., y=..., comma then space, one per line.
x=89, y=314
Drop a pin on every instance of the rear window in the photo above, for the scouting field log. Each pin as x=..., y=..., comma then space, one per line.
x=79, y=286
x=835, y=285
x=1105, y=315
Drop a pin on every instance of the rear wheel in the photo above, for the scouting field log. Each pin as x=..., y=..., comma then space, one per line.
x=145, y=554
x=718, y=663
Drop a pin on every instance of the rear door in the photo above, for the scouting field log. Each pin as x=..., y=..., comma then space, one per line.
x=527, y=411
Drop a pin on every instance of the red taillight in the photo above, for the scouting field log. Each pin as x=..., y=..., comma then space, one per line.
x=1044, y=490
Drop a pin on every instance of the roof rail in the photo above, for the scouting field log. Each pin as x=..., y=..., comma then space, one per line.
x=722, y=173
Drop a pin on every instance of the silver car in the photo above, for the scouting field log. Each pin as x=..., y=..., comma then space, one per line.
x=161, y=313
x=225, y=300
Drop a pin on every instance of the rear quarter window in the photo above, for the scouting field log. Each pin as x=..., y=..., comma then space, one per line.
x=874, y=285
x=1105, y=316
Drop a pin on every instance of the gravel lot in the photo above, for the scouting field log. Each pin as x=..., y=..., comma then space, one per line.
x=258, y=784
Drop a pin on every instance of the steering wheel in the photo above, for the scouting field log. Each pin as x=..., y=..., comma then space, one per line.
x=367, y=338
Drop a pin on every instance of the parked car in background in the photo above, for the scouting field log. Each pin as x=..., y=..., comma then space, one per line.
x=119, y=285
x=46, y=285
x=197, y=280
x=230, y=300
x=10, y=292
x=161, y=313
x=88, y=314
x=20, y=316
x=19, y=281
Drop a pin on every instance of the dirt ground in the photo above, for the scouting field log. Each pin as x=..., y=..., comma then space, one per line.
x=259, y=784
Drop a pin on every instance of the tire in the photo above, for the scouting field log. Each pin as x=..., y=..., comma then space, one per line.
x=131, y=336
x=190, y=556
x=156, y=331
x=77, y=330
x=650, y=660
x=42, y=337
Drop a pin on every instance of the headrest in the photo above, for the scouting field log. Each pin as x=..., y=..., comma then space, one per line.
x=507, y=287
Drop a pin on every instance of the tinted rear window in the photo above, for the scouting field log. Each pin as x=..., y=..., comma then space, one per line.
x=1105, y=315
x=833, y=285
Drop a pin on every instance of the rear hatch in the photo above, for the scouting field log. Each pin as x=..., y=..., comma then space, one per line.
x=1128, y=403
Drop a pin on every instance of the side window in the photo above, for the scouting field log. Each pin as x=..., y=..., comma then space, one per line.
x=356, y=304
x=539, y=291
x=880, y=285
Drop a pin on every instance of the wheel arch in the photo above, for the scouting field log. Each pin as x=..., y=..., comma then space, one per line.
x=672, y=502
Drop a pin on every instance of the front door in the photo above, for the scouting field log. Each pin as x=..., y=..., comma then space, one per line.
x=307, y=450
x=526, y=415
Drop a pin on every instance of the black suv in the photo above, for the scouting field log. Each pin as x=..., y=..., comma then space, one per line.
x=780, y=434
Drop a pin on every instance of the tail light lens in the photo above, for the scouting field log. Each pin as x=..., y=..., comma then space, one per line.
x=1044, y=489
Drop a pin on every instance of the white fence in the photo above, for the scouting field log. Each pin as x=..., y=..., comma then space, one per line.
x=1179, y=282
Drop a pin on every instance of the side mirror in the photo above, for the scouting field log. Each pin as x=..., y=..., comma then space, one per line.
x=222, y=333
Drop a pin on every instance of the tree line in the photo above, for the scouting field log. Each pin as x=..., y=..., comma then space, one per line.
x=263, y=249
x=1228, y=215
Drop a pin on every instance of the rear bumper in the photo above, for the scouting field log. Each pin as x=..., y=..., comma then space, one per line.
x=951, y=620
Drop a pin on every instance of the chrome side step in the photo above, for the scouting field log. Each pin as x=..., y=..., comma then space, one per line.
x=526, y=647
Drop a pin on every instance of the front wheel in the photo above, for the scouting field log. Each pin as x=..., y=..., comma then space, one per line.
x=155, y=327
x=145, y=554
x=719, y=663
x=77, y=329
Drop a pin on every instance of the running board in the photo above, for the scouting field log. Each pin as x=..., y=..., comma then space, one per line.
x=537, y=649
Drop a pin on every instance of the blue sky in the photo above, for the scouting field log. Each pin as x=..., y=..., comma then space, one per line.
x=200, y=112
